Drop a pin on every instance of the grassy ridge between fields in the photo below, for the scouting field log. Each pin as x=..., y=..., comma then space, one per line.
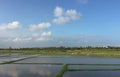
x=12, y=61
x=74, y=52
x=63, y=70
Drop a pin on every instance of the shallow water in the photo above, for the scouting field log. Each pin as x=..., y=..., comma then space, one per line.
x=72, y=60
x=92, y=67
x=92, y=74
x=3, y=55
x=13, y=70
x=9, y=57
x=41, y=70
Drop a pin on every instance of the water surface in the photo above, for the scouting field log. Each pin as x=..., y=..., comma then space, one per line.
x=92, y=67
x=72, y=60
x=9, y=57
x=92, y=74
x=13, y=70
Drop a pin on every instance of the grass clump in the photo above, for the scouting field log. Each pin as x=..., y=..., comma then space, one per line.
x=63, y=70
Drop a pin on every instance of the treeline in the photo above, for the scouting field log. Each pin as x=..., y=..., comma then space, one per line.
x=61, y=48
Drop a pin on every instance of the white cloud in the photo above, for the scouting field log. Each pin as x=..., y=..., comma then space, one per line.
x=40, y=39
x=16, y=39
x=66, y=16
x=21, y=39
x=83, y=1
x=58, y=11
x=9, y=26
x=72, y=14
x=46, y=34
x=35, y=35
x=61, y=20
x=41, y=26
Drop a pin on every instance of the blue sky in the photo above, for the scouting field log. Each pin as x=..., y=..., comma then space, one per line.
x=46, y=23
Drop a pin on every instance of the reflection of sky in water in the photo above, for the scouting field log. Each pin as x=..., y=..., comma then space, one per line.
x=72, y=59
x=13, y=70
x=9, y=57
x=92, y=67
x=37, y=70
x=92, y=74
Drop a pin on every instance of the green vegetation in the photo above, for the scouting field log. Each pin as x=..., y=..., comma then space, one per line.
x=41, y=63
x=74, y=51
x=12, y=61
x=42, y=51
x=63, y=70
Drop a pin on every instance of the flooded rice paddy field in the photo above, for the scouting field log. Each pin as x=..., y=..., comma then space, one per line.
x=9, y=57
x=17, y=70
x=71, y=60
x=50, y=66
x=92, y=74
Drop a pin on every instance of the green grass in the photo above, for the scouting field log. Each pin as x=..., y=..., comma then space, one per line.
x=73, y=52
x=41, y=63
x=63, y=70
x=12, y=61
x=96, y=52
x=35, y=51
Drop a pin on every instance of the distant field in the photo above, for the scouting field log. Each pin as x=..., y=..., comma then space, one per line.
x=101, y=52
